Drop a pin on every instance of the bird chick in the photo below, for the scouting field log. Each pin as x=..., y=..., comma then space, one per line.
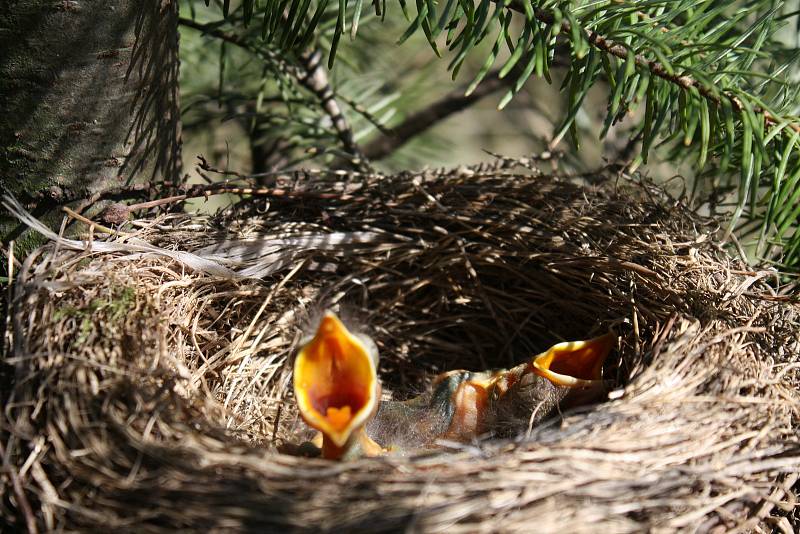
x=337, y=389
x=463, y=405
x=338, y=393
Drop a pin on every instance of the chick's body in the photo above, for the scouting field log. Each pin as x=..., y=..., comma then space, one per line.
x=463, y=406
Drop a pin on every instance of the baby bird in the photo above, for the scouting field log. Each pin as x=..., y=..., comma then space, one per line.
x=465, y=405
x=337, y=389
x=338, y=392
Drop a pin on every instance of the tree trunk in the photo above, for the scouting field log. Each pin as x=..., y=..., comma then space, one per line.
x=88, y=101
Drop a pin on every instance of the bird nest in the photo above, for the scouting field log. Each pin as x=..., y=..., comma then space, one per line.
x=150, y=371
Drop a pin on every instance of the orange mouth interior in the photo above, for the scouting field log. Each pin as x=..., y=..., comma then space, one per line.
x=576, y=363
x=335, y=381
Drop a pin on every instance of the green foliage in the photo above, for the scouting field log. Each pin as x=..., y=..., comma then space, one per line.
x=710, y=83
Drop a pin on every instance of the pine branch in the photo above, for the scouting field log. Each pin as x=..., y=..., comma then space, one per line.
x=312, y=76
x=316, y=80
x=454, y=102
x=655, y=67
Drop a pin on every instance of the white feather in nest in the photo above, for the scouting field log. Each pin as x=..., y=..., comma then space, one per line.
x=132, y=245
x=268, y=254
x=246, y=258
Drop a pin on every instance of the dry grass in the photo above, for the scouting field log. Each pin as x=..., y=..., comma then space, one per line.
x=150, y=394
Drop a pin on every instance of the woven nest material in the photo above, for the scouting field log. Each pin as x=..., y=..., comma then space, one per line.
x=151, y=383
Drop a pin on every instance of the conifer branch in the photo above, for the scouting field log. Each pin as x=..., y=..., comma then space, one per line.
x=656, y=68
x=452, y=103
x=312, y=76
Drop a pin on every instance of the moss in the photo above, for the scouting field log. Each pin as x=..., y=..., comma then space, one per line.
x=23, y=243
x=83, y=263
x=100, y=313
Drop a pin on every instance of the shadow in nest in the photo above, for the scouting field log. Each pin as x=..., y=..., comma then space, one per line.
x=150, y=392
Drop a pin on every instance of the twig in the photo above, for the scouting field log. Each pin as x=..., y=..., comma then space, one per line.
x=206, y=166
x=769, y=503
x=92, y=224
x=119, y=213
x=206, y=191
x=241, y=43
x=8, y=340
x=287, y=173
x=420, y=121
x=739, y=249
x=317, y=82
x=275, y=425
x=361, y=110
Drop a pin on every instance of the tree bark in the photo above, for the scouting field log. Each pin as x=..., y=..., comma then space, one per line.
x=88, y=100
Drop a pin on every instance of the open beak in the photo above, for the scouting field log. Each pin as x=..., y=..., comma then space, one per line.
x=575, y=364
x=336, y=382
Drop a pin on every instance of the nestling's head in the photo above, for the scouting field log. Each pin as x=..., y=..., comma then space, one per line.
x=336, y=381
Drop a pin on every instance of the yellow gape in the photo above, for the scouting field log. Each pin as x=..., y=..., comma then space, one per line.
x=575, y=364
x=336, y=387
